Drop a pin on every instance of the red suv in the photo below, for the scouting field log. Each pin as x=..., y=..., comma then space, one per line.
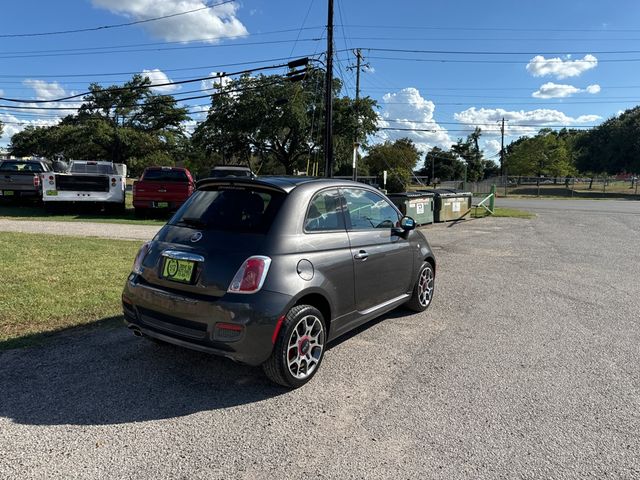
x=164, y=188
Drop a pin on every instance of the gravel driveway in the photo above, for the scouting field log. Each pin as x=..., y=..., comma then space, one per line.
x=81, y=229
x=526, y=366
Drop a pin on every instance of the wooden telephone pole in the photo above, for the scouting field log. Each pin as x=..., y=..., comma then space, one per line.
x=328, y=98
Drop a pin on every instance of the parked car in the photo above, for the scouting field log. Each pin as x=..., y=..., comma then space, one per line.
x=21, y=178
x=162, y=188
x=221, y=171
x=99, y=183
x=267, y=272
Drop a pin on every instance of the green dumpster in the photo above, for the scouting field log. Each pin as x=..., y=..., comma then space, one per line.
x=417, y=205
x=450, y=204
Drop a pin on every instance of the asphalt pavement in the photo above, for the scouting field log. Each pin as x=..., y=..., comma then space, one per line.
x=525, y=366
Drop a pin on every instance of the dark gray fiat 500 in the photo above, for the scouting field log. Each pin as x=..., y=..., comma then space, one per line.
x=267, y=271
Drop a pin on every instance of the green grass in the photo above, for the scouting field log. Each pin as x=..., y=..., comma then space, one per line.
x=35, y=212
x=50, y=283
x=502, y=212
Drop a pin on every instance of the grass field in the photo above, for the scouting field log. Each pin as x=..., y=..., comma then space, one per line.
x=52, y=282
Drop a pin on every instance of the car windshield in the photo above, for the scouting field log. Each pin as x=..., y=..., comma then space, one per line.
x=99, y=168
x=233, y=209
x=165, y=175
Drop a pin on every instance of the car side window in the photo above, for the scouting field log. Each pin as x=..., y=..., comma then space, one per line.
x=368, y=210
x=324, y=212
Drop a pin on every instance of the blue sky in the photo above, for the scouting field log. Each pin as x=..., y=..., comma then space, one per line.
x=544, y=63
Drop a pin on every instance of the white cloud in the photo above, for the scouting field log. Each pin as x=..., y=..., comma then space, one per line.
x=539, y=66
x=555, y=90
x=212, y=22
x=44, y=90
x=414, y=112
x=14, y=123
x=593, y=89
x=491, y=147
x=213, y=83
x=519, y=122
x=157, y=76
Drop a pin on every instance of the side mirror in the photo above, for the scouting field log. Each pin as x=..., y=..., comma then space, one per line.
x=407, y=223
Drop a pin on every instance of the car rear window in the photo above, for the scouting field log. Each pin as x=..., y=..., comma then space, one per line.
x=99, y=168
x=165, y=175
x=21, y=167
x=235, y=209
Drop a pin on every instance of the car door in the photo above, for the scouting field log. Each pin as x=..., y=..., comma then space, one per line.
x=382, y=259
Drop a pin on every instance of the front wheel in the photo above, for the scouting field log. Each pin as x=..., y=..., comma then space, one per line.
x=299, y=349
x=423, y=289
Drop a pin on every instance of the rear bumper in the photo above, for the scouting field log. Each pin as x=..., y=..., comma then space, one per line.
x=153, y=204
x=195, y=323
x=71, y=196
x=18, y=193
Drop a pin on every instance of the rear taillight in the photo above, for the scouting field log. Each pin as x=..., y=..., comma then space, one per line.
x=51, y=178
x=36, y=181
x=251, y=275
x=113, y=182
x=137, y=263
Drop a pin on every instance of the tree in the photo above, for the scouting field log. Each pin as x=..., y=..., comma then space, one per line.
x=128, y=124
x=548, y=153
x=398, y=158
x=469, y=151
x=270, y=118
x=443, y=164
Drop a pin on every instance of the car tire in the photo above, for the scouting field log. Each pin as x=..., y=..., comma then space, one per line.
x=299, y=348
x=422, y=295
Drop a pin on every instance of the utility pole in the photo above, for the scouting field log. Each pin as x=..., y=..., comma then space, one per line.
x=503, y=167
x=328, y=100
x=356, y=143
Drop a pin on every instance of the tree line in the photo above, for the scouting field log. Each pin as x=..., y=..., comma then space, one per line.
x=276, y=127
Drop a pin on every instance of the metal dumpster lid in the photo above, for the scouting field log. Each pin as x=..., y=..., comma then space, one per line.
x=416, y=194
x=447, y=192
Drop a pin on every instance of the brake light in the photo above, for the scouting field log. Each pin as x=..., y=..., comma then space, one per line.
x=113, y=182
x=51, y=182
x=251, y=275
x=137, y=263
x=36, y=181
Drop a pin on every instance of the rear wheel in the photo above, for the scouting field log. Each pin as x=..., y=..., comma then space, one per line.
x=299, y=349
x=423, y=289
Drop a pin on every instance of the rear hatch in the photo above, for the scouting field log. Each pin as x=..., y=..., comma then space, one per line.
x=210, y=237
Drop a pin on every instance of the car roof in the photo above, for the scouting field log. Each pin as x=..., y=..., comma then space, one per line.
x=283, y=183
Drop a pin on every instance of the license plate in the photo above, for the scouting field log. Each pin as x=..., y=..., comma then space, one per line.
x=178, y=270
x=52, y=193
x=8, y=193
x=162, y=204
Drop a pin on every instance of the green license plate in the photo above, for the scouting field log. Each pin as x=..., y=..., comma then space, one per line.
x=52, y=193
x=178, y=270
x=162, y=204
x=8, y=193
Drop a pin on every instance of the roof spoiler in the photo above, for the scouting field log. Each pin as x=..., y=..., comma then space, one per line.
x=205, y=183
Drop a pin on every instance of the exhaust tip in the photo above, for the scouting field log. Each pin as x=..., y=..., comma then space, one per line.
x=136, y=331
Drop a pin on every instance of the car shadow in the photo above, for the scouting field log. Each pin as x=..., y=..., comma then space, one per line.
x=100, y=376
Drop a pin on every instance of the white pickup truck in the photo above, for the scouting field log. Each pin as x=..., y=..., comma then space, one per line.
x=87, y=182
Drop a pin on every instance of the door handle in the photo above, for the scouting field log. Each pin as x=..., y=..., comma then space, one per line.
x=361, y=255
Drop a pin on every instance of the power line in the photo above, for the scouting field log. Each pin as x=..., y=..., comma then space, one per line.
x=159, y=49
x=494, y=29
x=107, y=74
x=118, y=25
x=139, y=87
x=476, y=52
x=445, y=60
